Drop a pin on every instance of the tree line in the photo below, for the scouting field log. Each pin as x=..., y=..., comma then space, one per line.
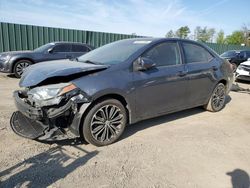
x=205, y=34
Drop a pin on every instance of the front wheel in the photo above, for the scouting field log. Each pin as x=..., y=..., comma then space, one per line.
x=20, y=66
x=217, y=99
x=105, y=122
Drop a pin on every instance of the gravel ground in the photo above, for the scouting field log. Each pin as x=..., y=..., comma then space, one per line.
x=192, y=148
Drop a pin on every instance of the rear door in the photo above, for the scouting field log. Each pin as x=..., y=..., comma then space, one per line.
x=163, y=88
x=201, y=73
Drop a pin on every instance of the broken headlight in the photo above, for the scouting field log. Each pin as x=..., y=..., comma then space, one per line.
x=50, y=94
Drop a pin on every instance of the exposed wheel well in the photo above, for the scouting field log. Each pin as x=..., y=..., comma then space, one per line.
x=19, y=60
x=104, y=97
x=223, y=82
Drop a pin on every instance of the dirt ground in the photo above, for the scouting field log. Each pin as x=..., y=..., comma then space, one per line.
x=192, y=148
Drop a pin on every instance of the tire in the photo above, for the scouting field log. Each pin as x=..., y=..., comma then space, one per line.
x=105, y=122
x=217, y=99
x=20, y=66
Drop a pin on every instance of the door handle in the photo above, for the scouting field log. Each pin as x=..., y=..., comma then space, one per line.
x=182, y=73
x=215, y=68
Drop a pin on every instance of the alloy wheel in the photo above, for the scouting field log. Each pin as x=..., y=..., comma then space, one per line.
x=218, y=98
x=21, y=67
x=106, y=123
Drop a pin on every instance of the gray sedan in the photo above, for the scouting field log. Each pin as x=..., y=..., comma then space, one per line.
x=120, y=83
x=16, y=61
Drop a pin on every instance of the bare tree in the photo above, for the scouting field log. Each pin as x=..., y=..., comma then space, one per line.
x=204, y=34
x=170, y=34
x=220, y=39
x=246, y=32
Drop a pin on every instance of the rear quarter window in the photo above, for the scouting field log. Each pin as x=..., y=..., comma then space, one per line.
x=196, y=54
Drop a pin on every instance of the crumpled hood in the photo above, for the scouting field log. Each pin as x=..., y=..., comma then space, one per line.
x=39, y=72
x=246, y=63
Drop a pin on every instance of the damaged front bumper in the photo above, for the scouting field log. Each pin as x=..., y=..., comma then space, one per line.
x=44, y=123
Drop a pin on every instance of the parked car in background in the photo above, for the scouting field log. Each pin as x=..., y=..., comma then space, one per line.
x=16, y=61
x=243, y=71
x=118, y=84
x=236, y=57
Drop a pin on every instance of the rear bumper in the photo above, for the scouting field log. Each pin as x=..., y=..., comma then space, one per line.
x=57, y=119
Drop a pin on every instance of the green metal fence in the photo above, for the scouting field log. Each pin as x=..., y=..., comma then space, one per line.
x=28, y=37
x=220, y=48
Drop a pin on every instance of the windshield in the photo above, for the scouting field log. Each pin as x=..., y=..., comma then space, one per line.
x=114, y=53
x=44, y=47
x=229, y=54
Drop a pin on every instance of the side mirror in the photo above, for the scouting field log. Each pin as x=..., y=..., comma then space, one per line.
x=50, y=51
x=144, y=63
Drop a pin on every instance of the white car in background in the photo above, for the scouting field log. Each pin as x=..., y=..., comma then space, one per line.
x=243, y=71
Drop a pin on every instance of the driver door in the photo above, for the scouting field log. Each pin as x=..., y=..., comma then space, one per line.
x=162, y=88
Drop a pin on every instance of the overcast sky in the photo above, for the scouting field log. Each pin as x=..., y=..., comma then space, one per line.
x=143, y=17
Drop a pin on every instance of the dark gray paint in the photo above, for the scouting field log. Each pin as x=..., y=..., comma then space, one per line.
x=153, y=92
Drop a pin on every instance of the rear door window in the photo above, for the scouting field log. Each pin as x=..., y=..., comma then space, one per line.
x=164, y=54
x=196, y=54
x=62, y=48
x=79, y=48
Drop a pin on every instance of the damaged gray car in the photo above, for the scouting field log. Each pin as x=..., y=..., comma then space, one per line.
x=95, y=96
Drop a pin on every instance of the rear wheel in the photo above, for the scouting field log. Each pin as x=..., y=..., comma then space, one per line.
x=105, y=122
x=20, y=66
x=217, y=99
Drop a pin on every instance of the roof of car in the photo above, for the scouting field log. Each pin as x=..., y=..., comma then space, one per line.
x=159, y=39
x=151, y=39
x=67, y=42
x=238, y=51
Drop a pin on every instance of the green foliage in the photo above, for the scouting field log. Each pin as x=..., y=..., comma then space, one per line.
x=220, y=39
x=182, y=32
x=237, y=37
